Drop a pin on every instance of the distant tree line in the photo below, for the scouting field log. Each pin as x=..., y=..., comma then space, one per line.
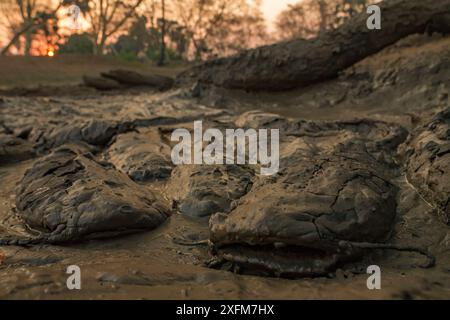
x=308, y=18
x=161, y=30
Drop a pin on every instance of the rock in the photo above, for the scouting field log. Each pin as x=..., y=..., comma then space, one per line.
x=428, y=162
x=69, y=196
x=142, y=156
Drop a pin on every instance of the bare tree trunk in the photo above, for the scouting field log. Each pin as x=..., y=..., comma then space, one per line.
x=302, y=62
x=323, y=15
x=162, y=54
x=28, y=43
x=100, y=47
x=29, y=20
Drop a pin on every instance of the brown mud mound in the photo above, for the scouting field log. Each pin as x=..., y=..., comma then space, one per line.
x=331, y=187
x=69, y=196
x=93, y=132
x=143, y=156
x=314, y=203
x=380, y=138
x=428, y=163
x=203, y=190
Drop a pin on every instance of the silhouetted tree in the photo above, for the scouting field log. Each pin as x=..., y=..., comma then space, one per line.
x=106, y=18
x=78, y=43
x=308, y=18
x=212, y=27
x=28, y=19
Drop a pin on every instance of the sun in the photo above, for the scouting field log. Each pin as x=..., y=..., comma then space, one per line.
x=50, y=50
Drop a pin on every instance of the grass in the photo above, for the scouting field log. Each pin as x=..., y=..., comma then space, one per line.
x=20, y=71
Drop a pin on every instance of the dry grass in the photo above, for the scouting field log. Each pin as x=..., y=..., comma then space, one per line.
x=20, y=71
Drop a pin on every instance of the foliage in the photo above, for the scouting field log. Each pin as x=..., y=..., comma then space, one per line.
x=219, y=27
x=145, y=42
x=78, y=43
x=106, y=18
x=308, y=18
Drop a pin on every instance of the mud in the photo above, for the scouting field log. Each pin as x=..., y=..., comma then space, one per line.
x=323, y=194
x=69, y=196
x=143, y=156
x=88, y=179
x=428, y=162
x=200, y=191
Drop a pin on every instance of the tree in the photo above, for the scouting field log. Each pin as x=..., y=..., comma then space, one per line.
x=10, y=23
x=162, y=55
x=144, y=39
x=106, y=18
x=177, y=37
x=78, y=43
x=28, y=19
x=309, y=18
x=297, y=21
x=241, y=30
x=209, y=25
x=135, y=42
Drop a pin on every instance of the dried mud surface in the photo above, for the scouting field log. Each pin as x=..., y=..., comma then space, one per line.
x=88, y=180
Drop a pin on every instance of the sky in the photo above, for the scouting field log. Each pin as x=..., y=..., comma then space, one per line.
x=271, y=8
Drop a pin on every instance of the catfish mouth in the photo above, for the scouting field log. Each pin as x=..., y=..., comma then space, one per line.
x=288, y=261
